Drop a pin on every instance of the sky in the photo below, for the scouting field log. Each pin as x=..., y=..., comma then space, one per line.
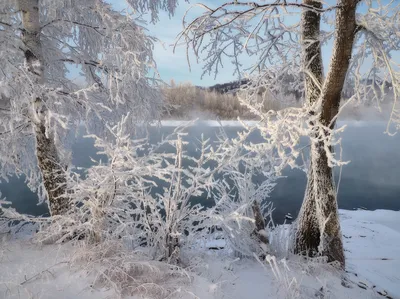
x=174, y=65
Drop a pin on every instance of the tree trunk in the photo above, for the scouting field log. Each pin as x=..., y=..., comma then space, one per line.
x=53, y=174
x=318, y=227
x=308, y=232
x=259, y=223
x=49, y=163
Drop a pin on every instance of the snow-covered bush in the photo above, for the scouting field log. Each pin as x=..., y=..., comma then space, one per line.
x=148, y=196
x=147, y=203
x=238, y=214
x=288, y=281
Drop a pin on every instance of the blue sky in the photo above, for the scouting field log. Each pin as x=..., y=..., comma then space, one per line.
x=175, y=66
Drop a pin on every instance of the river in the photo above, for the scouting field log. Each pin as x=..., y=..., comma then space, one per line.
x=371, y=180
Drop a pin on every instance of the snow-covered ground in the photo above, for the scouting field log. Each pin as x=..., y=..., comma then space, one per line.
x=371, y=239
x=372, y=245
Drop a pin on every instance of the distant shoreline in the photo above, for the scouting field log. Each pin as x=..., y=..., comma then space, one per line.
x=236, y=123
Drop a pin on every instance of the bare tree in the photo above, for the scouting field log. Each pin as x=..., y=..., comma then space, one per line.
x=42, y=44
x=284, y=39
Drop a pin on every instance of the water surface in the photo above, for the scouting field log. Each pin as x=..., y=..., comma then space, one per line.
x=370, y=180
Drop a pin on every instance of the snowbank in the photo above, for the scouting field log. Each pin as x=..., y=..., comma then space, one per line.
x=371, y=239
x=372, y=247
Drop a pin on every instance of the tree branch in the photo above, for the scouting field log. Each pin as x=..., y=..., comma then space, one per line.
x=255, y=6
x=91, y=63
x=20, y=128
x=41, y=273
x=5, y=24
x=95, y=28
x=360, y=27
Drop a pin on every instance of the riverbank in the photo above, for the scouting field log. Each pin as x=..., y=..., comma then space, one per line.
x=371, y=240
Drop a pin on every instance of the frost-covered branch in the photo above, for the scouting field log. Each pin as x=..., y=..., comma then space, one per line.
x=374, y=75
x=270, y=34
x=107, y=51
x=284, y=49
x=262, y=31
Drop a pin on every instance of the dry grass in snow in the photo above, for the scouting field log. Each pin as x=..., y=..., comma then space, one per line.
x=109, y=271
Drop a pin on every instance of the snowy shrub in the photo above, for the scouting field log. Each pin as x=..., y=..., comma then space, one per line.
x=235, y=214
x=147, y=196
x=14, y=224
x=150, y=203
x=289, y=284
x=281, y=240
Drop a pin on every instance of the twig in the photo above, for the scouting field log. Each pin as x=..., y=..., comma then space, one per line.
x=41, y=273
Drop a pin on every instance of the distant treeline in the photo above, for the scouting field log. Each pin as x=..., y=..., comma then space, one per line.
x=186, y=101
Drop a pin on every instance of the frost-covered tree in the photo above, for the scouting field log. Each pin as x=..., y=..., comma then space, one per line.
x=285, y=40
x=64, y=63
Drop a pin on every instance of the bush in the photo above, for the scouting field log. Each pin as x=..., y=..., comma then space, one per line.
x=144, y=195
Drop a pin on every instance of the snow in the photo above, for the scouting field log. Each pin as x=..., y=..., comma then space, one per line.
x=218, y=243
x=372, y=247
x=371, y=240
x=263, y=233
x=28, y=271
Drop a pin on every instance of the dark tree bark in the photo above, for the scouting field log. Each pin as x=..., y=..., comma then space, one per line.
x=48, y=160
x=53, y=174
x=308, y=232
x=259, y=223
x=318, y=229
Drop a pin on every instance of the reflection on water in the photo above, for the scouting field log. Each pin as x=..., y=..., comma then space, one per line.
x=371, y=180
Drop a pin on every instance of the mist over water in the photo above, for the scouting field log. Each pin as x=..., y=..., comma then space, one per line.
x=370, y=180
